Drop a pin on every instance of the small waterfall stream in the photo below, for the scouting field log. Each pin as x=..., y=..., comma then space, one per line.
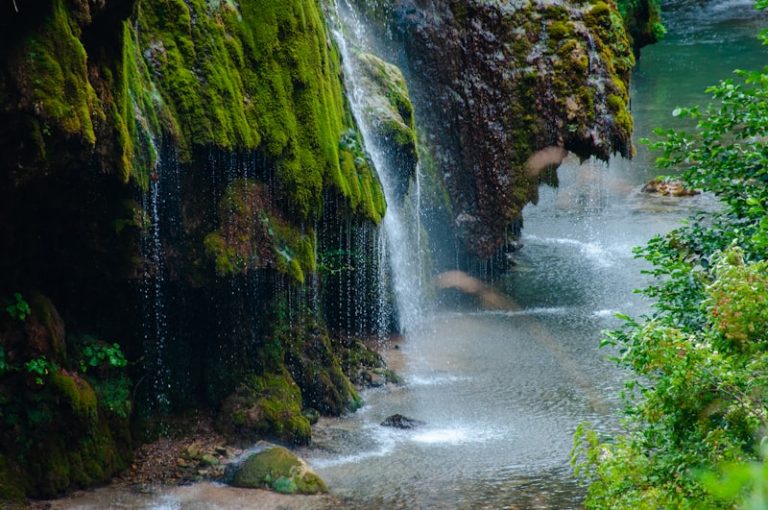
x=401, y=232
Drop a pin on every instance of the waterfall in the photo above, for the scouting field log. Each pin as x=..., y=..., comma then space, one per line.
x=401, y=227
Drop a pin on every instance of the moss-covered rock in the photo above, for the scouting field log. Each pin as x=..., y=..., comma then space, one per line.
x=643, y=21
x=57, y=432
x=253, y=235
x=387, y=105
x=267, y=405
x=76, y=394
x=278, y=469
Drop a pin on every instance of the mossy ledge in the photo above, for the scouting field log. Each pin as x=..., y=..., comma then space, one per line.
x=262, y=76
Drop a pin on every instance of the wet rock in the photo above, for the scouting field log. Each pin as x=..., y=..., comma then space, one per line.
x=399, y=421
x=494, y=82
x=666, y=187
x=278, y=469
x=193, y=451
x=312, y=415
x=388, y=106
x=376, y=380
x=209, y=460
x=265, y=405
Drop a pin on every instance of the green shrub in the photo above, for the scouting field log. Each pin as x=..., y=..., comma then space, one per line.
x=697, y=406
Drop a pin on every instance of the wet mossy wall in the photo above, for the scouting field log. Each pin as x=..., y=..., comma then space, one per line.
x=258, y=75
x=172, y=175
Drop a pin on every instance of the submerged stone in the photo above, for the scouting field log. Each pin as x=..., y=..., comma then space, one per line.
x=399, y=421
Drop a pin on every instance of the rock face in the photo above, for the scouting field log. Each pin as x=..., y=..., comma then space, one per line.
x=494, y=82
x=388, y=105
x=280, y=470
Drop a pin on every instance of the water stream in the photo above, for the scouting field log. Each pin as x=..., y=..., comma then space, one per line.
x=501, y=392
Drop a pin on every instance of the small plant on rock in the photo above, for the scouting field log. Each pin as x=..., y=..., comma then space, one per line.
x=39, y=367
x=19, y=309
x=98, y=354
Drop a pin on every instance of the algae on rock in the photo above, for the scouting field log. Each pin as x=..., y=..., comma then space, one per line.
x=278, y=469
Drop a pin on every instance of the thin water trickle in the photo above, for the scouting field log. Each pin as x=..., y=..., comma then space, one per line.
x=155, y=321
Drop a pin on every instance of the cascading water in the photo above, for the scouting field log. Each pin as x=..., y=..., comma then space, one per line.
x=402, y=233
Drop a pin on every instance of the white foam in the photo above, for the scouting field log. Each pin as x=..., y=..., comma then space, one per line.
x=595, y=252
x=451, y=436
x=434, y=380
x=604, y=314
x=454, y=436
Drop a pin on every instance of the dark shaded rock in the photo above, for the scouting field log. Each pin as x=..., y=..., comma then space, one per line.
x=399, y=421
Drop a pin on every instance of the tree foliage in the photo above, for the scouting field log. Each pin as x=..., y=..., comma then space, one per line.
x=697, y=409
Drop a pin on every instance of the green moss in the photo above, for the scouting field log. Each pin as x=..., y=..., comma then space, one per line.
x=60, y=463
x=313, y=360
x=280, y=470
x=559, y=30
x=643, y=21
x=263, y=76
x=266, y=405
x=78, y=394
x=225, y=258
x=13, y=485
x=253, y=235
x=615, y=103
x=138, y=112
x=57, y=73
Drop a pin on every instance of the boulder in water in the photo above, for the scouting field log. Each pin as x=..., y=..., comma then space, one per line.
x=399, y=421
x=666, y=188
x=278, y=469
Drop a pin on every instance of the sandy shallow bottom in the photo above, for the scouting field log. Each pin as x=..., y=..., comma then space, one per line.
x=199, y=496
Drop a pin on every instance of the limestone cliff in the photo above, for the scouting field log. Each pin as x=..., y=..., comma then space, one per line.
x=494, y=82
